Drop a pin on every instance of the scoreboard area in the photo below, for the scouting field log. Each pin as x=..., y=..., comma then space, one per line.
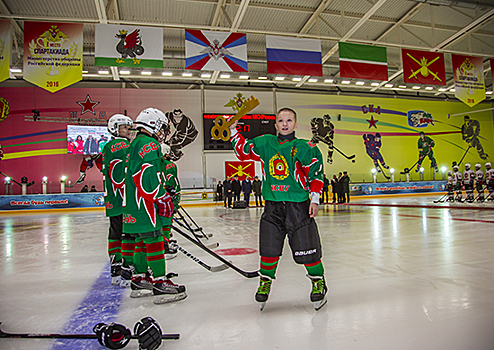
x=250, y=126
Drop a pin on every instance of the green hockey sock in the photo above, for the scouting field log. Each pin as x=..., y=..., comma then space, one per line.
x=114, y=249
x=127, y=251
x=268, y=266
x=315, y=269
x=155, y=255
x=139, y=259
x=166, y=232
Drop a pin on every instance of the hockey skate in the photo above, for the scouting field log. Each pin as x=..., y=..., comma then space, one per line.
x=318, y=293
x=385, y=166
x=115, y=270
x=165, y=291
x=171, y=250
x=126, y=276
x=262, y=294
x=141, y=286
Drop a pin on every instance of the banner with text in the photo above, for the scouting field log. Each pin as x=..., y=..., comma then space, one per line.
x=4, y=49
x=52, y=54
x=469, y=79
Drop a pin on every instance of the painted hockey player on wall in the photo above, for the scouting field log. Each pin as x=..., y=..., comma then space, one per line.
x=425, y=145
x=470, y=131
x=183, y=134
x=323, y=130
x=373, y=150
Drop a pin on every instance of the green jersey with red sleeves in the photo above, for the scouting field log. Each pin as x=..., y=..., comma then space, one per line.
x=170, y=172
x=291, y=168
x=426, y=145
x=114, y=157
x=144, y=185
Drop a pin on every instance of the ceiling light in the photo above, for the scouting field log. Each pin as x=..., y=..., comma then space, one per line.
x=146, y=72
x=206, y=75
x=345, y=82
x=167, y=74
x=488, y=92
x=416, y=87
x=328, y=80
x=103, y=72
x=402, y=86
x=296, y=79
x=186, y=74
x=225, y=76
x=452, y=90
x=243, y=77
x=85, y=72
x=16, y=70
x=429, y=88
x=262, y=78
x=312, y=80
x=374, y=84
x=279, y=78
x=442, y=89
x=125, y=72
x=388, y=85
x=359, y=83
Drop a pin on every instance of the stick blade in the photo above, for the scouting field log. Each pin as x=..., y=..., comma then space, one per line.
x=219, y=268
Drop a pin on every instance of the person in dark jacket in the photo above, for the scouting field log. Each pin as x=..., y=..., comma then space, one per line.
x=340, y=188
x=346, y=187
x=257, y=188
x=236, y=188
x=227, y=192
x=90, y=146
x=325, y=189
x=334, y=187
x=219, y=191
x=247, y=189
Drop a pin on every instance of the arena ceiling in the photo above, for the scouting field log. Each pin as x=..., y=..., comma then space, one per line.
x=448, y=26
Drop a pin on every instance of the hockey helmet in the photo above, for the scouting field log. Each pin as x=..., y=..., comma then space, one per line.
x=326, y=119
x=151, y=120
x=467, y=166
x=477, y=166
x=165, y=149
x=455, y=168
x=116, y=120
x=450, y=173
x=488, y=165
x=378, y=135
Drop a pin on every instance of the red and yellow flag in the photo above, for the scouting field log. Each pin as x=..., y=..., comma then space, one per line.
x=240, y=168
x=469, y=79
x=423, y=67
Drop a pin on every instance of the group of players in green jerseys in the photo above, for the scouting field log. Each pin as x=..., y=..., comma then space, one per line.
x=142, y=190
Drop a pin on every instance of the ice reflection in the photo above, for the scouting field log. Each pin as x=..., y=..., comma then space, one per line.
x=65, y=234
x=424, y=220
x=375, y=220
x=394, y=221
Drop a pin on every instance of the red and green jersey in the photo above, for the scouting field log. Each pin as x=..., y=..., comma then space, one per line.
x=170, y=173
x=291, y=169
x=114, y=156
x=144, y=186
x=426, y=145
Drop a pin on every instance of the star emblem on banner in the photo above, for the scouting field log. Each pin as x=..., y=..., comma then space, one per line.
x=372, y=122
x=88, y=105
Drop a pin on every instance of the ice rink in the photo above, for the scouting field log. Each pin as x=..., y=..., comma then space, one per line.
x=402, y=274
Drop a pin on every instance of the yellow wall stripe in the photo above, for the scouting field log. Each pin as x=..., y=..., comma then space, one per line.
x=41, y=152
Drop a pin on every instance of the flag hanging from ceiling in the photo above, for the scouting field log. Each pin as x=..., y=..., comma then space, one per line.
x=363, y=61
x=217, y=51
x=52, y=54
x=423, y=67
x=468, y=72
x=4, y=49
x=128, y=46
x=293, y=56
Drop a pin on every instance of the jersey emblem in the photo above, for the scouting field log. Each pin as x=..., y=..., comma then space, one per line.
x=278, y=167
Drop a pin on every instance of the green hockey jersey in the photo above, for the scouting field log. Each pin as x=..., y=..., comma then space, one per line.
x=170, y=173
x=114, y=157
x=426, y=145
x=291, y=169
x=144, y=184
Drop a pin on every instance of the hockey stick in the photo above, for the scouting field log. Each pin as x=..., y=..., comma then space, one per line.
x=343, y=154
x=11, y=179
x=440, y=200
x=382, y=172
x=226, y=262
x=461, y=160
x=193, y=231
x=79, y=180
x=197, y=260
x=70, y=336
x=480, y=193
x=198, y=228
x=210, y=246
x=407, y=170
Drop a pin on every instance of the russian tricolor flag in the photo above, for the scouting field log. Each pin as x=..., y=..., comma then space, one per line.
x=293, y=56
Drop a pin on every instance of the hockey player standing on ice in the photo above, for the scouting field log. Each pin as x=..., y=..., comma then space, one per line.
x=468, y=177
x=479, y=182
x=114, y=157
x=373, y=149
x=292, y=170
x=425, y=145
x=458, y=182
x=172, y=186
x=450, y=187
x=470, y=131
x=146, y=202
x=489, y=180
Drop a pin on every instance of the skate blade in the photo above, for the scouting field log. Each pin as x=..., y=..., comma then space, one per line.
x=169, y=298
x=170, y=256
x=124, y=283
x=141, y=293
x=262, y=305
x=319, y=304
x=115, y=281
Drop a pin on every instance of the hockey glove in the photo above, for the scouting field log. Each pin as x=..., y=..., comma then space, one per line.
x=171, y=191
x=148, y=333
x=112, y=335
x=165, y=206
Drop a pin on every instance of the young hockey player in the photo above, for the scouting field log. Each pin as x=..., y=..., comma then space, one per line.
x=114, y=157
x=458, y=183
x=468, y=177
x=172, y=186
x=146, y=202
x=292, y=170
x=479, y=182
x=489, y=180
x=450, y=187
x=425, y=145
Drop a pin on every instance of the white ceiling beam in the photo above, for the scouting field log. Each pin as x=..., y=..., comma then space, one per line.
x=217, y=13
x=310, y=22
x=214, y=77
x=239, y=15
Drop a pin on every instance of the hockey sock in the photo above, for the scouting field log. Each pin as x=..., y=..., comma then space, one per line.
x=127, y=251
x=114, y=249
x=155, y=255
x=139, y=258
x=166, y=232
x=315, y=269
x=269, y=266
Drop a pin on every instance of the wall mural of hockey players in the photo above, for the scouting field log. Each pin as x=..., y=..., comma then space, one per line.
x=181, y=133
x=470, y=131
x=425, y=145
x=373, y=149
x=323, y=130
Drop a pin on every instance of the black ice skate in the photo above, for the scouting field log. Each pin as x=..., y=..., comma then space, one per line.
x=126, y=276
x=165, y=291
x=262, y=294
x=115, y=270
x=141, y=286
x=171, y=250
x=318, y=293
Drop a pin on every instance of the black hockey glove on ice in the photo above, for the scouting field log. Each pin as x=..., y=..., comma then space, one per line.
x=112, y=335
x=148, y=333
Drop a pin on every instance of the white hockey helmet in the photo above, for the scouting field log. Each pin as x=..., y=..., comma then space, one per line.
x=467, y=166
x=152, y=120
x=116, y=120
x=478, y=166
x=488, y=165
x=450, y=173
x=455, y=168
x=165, y=149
